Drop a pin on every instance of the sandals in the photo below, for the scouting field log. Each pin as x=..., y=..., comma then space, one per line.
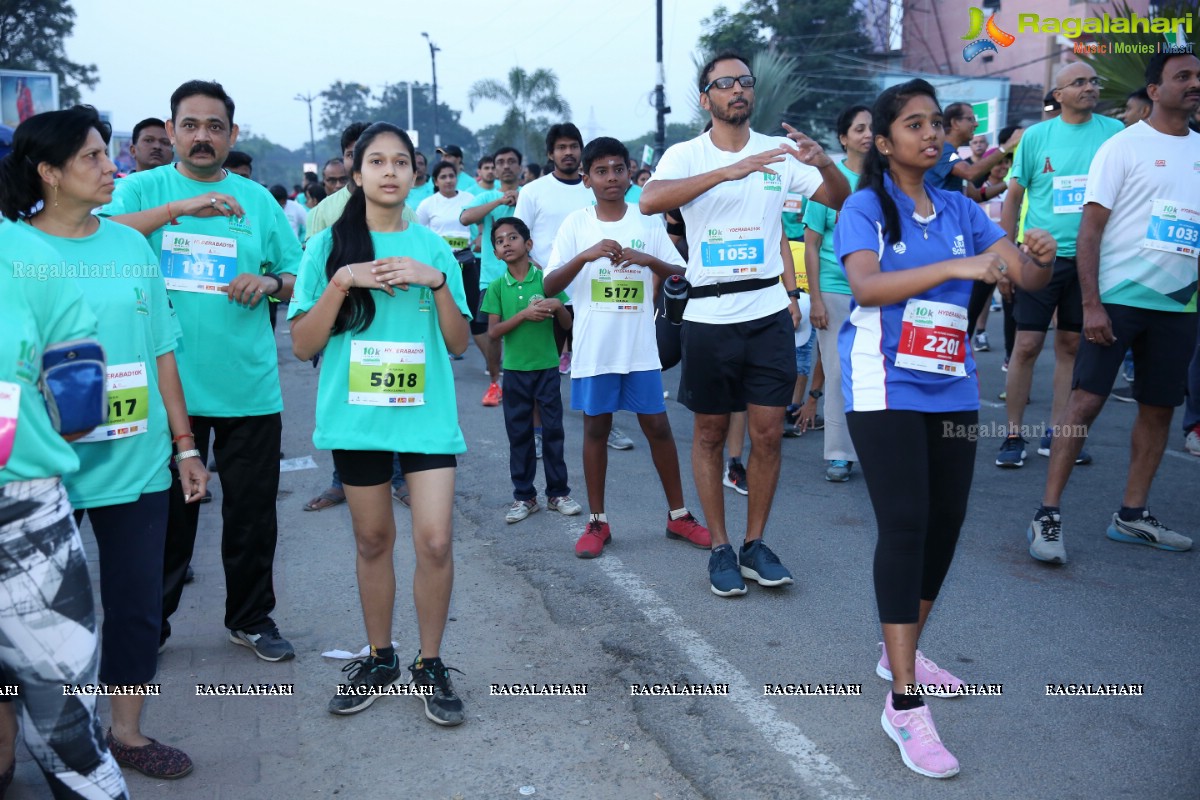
x=154, y=760
x=400, y=495
x=327, y=499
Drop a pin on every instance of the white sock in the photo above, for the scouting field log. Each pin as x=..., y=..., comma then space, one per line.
x=598, y=518
x=679, y=513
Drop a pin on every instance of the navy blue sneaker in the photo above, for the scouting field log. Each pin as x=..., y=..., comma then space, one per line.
x=723, y=575
x=1012, y=453
x=1082, y=459
x=758, y=563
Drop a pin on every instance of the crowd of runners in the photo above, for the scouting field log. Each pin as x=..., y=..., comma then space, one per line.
x=138, y=357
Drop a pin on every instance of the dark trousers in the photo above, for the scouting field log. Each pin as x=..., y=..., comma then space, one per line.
x=522, y=389
x=918, y=468
x=247, y=448
x=130, y=537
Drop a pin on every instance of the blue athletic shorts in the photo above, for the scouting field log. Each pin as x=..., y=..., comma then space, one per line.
x=639, y=392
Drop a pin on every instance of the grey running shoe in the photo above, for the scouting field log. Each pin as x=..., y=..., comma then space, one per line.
x=1148, y=531
x=367, y=677
x=1045, y=538
x=618, y=440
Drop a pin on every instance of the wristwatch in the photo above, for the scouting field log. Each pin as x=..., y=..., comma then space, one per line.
x=795, y=293
x=816, y=394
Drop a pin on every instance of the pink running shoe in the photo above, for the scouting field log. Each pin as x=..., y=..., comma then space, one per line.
x=918, y=740
x=938, y=681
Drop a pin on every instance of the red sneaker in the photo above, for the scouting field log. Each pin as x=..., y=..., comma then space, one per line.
x=690, y=530
x=493, y=395
x=593, y=540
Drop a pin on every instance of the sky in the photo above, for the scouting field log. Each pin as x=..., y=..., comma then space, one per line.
x=265, y=52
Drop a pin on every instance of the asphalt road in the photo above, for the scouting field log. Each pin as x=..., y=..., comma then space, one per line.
x=525, y=610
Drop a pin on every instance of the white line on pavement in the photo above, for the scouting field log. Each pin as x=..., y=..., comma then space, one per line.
x=812, y=766
x=1183, y=456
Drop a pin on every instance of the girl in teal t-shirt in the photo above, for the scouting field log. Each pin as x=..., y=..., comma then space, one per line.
x=62, y=163
x=384, y=299
x=830, y=292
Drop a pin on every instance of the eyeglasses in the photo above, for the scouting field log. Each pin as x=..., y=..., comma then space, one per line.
x=1079, y=83
x=335, y=181
x=746, y=82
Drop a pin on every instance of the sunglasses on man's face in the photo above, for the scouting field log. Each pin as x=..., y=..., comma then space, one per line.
x=746, y=82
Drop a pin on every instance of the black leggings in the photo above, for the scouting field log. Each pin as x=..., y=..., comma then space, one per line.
x=918, y=469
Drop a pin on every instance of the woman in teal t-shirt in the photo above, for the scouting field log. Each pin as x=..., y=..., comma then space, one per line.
x=830, y=292
x=43, y=569
x=62, y=165
x=386, y=387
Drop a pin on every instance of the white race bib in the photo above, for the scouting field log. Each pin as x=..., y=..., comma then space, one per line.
x=195, y=262
x=387, y=373
x=733, y=252
x=128, y=403
x=933, y=338
x=1067, y=195
x=1173, y=228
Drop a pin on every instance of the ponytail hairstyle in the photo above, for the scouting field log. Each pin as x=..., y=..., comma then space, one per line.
x=53, y=137
x=352, y=238
x=887, y=108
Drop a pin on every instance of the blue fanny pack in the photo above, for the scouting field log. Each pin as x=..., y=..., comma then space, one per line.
x=74, y=386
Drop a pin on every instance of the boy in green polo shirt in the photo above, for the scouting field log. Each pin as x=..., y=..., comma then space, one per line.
x=520, y=313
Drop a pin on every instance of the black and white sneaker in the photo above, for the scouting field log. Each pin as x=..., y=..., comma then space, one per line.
x=368, y=676
x=442, y=705
x=267, y=645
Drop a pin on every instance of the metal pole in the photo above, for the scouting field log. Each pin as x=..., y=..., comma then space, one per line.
x=312, y=138
x=660, y=134
x=433, y=49
x=409, y=84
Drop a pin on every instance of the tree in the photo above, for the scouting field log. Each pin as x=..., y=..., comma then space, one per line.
x=676, y=132
x=393, y=107
x=527, y=98
x=818, y=34
x=343, y=103
x=32, y=33
x=1123, y=73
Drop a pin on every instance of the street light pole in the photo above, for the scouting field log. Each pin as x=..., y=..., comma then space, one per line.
x=312, y=139
x=660, y=105
x=433, y=51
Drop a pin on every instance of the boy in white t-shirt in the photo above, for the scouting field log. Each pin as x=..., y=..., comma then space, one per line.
x=607, y=256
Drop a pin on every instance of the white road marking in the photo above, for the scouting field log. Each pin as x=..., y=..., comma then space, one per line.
x=812, y=766
x=1183, y=456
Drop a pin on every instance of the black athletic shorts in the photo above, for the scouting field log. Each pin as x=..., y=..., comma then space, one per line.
x=1034, y=310
x=726, y=366
x=1163, y=343
x=373, y=467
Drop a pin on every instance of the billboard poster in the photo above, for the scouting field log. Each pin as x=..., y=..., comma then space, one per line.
x=23, y=94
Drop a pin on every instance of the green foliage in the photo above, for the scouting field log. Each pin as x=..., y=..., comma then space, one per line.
x=814, y=34
x=274, y=163
x=32, y=33
x=344, y=103
x=1124, y=73
x=529, y=100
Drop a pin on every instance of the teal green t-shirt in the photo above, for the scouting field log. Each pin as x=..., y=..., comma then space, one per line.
x=419, y=193
x=118, y=274
x=227, y=358
x=398, y=367
x=822, y=219
x=529, y=346
x=633, y=194
x=1052, y=164
x=490, y=267
x=35, y=312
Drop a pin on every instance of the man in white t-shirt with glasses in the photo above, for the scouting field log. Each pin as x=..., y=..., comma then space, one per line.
x=738, y=353
x=1137, y=256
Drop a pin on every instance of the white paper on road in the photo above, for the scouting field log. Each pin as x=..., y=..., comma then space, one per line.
x=346, y=655
x=296, y=464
